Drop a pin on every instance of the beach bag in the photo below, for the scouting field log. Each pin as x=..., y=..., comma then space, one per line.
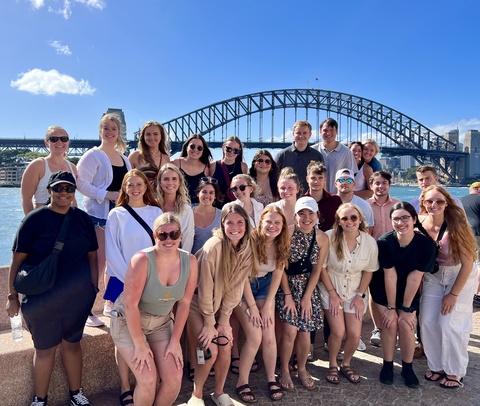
x=38, y=279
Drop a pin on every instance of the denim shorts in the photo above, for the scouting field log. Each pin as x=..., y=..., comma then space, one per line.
x=261, y=286
x=100, y=223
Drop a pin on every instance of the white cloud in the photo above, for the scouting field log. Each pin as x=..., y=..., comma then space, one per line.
x=51, y=82
x=66, y=10
x=60, y=49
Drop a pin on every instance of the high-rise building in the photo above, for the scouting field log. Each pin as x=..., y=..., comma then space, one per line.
x=472, y=146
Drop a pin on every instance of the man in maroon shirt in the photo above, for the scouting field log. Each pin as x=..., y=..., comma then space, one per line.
x=327, y=203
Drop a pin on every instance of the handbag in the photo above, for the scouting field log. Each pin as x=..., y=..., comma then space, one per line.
x=141, y=221
x=38, y=279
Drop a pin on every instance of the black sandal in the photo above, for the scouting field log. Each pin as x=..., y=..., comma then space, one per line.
x=126, y=394
x=245, y=394
x=190, y=372
x=273, y=391
x=234, y=369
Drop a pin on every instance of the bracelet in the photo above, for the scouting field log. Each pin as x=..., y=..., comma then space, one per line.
x=453, y=294
x=328, y=291
x=287, y=294
x=249, y=307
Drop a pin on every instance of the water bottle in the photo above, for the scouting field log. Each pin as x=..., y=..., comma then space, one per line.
x=17, y=329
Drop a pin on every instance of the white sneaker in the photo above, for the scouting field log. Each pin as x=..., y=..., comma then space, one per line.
x=94, y=321
x=107, y=308
x=376, y=338
x=361, y=346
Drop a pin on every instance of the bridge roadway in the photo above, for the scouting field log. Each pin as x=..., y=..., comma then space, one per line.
x=79, y=146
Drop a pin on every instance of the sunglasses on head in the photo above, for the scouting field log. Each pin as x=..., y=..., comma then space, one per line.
x=353, y=218
x=208, y=179
x=241, y=187
x=430, y=202
x=63, y=138
x=163, y=235
x=198, y=147
x=236, y=151
x=60, y=189
x=261, y=161
x=345, y=180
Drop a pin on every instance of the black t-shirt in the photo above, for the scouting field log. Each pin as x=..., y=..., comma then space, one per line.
x=36, y=236
x=471, y=205
x=419, y=255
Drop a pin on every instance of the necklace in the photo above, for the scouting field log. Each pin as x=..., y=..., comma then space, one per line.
x=155, y=153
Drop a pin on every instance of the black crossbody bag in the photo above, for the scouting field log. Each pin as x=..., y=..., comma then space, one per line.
x=141, y=222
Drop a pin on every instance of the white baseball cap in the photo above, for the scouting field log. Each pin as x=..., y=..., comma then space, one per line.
x=306, y=202
x=341, y=174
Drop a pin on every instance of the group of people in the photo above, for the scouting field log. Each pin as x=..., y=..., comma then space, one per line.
x=205, y=248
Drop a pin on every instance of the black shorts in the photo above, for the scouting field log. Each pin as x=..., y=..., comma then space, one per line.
x=50, y=323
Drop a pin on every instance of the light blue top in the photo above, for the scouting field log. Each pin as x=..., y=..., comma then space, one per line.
x=203, y=234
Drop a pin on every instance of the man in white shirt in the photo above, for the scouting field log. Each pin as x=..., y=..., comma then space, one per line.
x=344, y=182
x=335, y=154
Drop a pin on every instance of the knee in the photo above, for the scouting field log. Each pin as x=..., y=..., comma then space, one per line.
x=337, y=334
x=147, y=382
x=289, y=335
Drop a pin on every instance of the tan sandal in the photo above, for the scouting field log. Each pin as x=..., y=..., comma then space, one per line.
x=285, y=381
x=306, y=380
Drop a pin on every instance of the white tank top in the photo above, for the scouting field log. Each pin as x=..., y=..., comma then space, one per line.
x=41, y=194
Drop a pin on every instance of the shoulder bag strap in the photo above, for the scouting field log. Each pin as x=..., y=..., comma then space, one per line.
x=60, y=241
x=443, y=228
x=141, y=222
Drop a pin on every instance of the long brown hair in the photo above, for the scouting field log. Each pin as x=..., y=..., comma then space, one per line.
x=460, y=234
x=229, y=252
x=163, y=147
x=148, y=197
x=281, y=242
x=337, y=235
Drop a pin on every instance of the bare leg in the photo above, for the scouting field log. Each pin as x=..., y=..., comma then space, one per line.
x=43, y=361
x=234, y=322
x=221, y=368
x=123, y=371
x=73, y=362
x=337, y=332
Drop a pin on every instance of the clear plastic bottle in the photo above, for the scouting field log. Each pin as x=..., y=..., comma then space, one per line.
x=17, y=328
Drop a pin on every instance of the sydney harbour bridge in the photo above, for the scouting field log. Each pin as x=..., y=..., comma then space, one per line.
x=264, y=120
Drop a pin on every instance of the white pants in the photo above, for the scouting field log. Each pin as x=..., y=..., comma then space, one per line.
x=445, y=338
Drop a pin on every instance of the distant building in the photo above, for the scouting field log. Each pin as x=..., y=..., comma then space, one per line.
x=406, y=162
x=11, y=175
x=121, y=116
x=472, y=146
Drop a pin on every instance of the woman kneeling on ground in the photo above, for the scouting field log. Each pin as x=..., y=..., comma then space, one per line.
x=142, y=324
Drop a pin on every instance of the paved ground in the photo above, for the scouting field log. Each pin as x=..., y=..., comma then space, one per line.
x=369, y=392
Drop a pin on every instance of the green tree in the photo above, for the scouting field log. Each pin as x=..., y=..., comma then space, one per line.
x=411, y=174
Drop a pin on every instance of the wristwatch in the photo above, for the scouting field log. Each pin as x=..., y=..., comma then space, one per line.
x=362, y=295
x=410, y=309
x=12, y=296
x=391, y=308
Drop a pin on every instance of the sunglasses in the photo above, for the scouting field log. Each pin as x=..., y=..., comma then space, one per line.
x=208, y=179
x=198, y=147
x=402, y=219
x=241, y=187
x=353, y=218
x=63, y=138
x=60, y=189
x=261, y=161
x=430, y=202
x=348, y=181
x=236, y=151
x=174, y=235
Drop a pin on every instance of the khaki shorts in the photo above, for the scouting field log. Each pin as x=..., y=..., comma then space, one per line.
x=154, y=328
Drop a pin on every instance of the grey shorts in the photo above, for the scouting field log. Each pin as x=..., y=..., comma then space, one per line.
x=154, y=328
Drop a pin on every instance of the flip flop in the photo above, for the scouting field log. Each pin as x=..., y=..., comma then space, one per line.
x=447, y=379
x=431, y=378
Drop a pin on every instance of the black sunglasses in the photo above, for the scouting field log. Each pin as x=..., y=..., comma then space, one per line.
x=174, y=235
x=60, y=189
x=63, y=138
x=236, y=151
x=208, y=179
x=353, y=218
x=261, y=161
x=241, y=187
x=198, y=147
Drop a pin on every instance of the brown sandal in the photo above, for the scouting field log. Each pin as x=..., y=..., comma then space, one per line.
x=348, y=372
x=286, y=382
x=333, y=376
x=306, y=380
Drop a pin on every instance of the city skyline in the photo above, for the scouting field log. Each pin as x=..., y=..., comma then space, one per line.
x=69, y=61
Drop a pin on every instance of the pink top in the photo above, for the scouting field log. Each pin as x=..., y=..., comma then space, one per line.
x=444, y=257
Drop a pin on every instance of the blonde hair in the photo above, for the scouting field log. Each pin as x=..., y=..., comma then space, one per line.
x=288, y=173
x=249, y=180
x=166, y=218
x=52, y=129
x=460, y=235
x=182, y=198
x=229, y=252
x=337, y=235
x=281, y=242
x=119, y=144
x=374, y=143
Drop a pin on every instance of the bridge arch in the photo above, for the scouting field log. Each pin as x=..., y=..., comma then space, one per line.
x=399, y=134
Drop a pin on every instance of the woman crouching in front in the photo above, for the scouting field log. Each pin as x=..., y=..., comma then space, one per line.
x=142, y=324
x=225, y=261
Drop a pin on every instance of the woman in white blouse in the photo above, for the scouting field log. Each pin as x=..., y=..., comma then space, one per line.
x=353, y=256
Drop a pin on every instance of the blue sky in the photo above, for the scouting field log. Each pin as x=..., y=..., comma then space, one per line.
x=64, y=62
